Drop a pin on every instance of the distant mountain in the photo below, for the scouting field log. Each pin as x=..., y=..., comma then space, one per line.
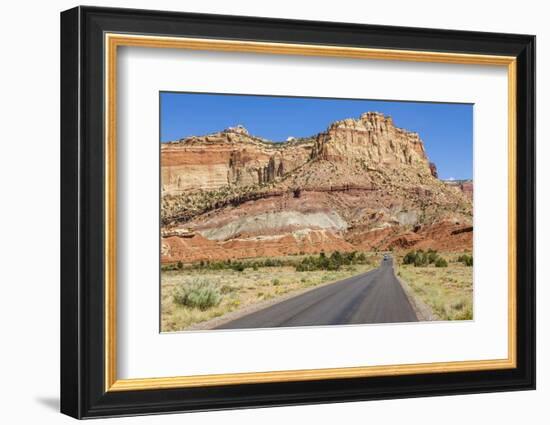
x=362, y=184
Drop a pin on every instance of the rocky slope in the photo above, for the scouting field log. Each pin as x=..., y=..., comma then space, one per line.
x=228, y=158
x=361, y=184
x=465, y=186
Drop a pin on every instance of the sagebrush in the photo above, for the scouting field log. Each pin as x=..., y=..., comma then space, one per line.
x=200, y=293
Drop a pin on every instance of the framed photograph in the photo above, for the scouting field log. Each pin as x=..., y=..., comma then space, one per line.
x=261, y=212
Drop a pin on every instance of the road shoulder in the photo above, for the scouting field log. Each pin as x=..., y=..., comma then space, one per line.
x=421, y=309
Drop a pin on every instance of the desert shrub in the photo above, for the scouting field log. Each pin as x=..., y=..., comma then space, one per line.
x=241, y=265
x=180, y=265
x=272, y=262
x=301, y=268
x=421, y=259
x=200, y=293
x=441, y=262
x=321, y=263
x=409, y=257
x=238, y=266
x=338, y=257
x=169, y=267
x=468, y=260
x=334, y=262
x=318, y=263
x=307, y=264
x=275, y=282
x=346, y=258
x=311, y=263
x=361, y=258
x=217, y=265
x=333, y=265
x=432, y=256
x=459, y=305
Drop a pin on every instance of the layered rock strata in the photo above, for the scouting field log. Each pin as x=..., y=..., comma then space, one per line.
x=361, y=184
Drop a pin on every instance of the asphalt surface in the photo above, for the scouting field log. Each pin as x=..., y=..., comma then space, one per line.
x=372, y=297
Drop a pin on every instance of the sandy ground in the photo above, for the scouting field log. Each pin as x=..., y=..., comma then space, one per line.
x=241, y=290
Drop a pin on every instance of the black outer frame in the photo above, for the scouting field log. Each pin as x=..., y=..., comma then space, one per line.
x=82, y=212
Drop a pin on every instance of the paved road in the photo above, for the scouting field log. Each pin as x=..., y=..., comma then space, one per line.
x=372, y=297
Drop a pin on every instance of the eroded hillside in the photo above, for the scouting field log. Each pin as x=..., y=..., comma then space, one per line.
x=361, y=184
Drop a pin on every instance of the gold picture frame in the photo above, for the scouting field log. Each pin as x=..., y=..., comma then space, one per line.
x=114, y=41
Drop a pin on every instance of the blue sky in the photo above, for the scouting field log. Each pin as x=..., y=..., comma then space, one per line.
x=445, y=128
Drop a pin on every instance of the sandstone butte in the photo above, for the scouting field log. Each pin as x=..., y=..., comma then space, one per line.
x=363, y=184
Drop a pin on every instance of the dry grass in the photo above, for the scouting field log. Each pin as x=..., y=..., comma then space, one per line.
x=240, y=289
x=447, y=290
